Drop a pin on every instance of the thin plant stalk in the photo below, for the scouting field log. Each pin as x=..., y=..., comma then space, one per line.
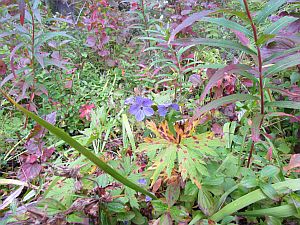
x=261, y=88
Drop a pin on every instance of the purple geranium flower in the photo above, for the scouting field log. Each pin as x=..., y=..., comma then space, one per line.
x=164, y=108
x=143, y=181
x=141, y=108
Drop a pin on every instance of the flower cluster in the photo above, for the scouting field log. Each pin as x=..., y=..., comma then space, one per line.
x=141, y=107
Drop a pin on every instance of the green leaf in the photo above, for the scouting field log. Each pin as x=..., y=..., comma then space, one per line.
x=205, y=202
x=215, y=43
x=159, y=206
x=264, y=38
x=269, y=191
x=284, y=104
x=220, y=102
x=172, y=194
x=252, y=197
x=44, y=37
x=229, y=24
x=274, y=28
x=129, y=133
x=83, y=150
x=269, y=171
x=283, y=64
x=165, y=219
x=269, y=8
x=116, y=207
x=279, y=211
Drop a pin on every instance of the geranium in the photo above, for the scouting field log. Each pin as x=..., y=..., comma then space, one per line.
x=85, y=111
x=164, y=108
x=140, y=107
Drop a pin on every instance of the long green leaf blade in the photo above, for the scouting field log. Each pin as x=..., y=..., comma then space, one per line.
x=279, y=24
x=269, y=8
x=284, y=104
x=222, y=101
x=229, y=24
x=288, y=62
x=83, y=150
x=214, y=43
x=279, y=211
x=252, y=197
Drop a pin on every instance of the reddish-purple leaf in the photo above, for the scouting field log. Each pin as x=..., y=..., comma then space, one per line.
x=295, y=118
x=234, y=68
x=255, y=127
x=217, y=129
x=47, y=152
x=3, y=67
x=22, y=11
x=188, y=22
x=242, y=37
x=220, y=102
x=196, y=80
x=69, y=84
x=294, y=163
x=28, y=171
x=269, y=154
x=91, y=41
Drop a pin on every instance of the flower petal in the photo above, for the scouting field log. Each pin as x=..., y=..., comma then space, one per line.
x=129, y=101
x=134, y=109
x=162, y=110
x=148, y=111
x=140, y=115
x=175, y=107
x=147, y=102
x=139, y=100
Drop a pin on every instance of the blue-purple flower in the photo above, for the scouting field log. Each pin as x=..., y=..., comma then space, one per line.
x=164, y=108
x=140, y=107
x=142, y=181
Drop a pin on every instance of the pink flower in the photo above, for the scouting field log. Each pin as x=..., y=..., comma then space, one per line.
x=85, y=111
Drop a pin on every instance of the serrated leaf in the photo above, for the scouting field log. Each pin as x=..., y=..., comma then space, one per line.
x=172, y=194
x=205, y=202
x=159, y=206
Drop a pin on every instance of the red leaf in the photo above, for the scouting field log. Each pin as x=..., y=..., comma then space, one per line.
x=188, y=22
x=47, y=152
x=294, y=163
x=85, y=111
x=3, y=67
x=28, y=171
x=233, y=68
x=22, y=11
x=242, y=37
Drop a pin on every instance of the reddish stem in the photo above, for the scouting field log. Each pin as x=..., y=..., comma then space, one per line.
x=254, y=30
x=261, y=88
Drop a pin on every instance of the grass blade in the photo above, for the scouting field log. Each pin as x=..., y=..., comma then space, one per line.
x=252, y=197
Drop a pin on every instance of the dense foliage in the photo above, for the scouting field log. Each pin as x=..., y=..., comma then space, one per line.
x=150, y=112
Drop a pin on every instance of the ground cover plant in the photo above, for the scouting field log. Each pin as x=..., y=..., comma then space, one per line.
x=150, y=112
